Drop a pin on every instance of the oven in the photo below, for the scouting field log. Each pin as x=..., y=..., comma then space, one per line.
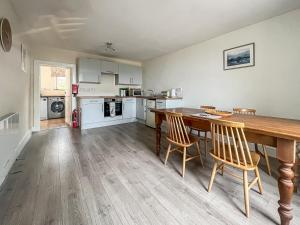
x=112, y=107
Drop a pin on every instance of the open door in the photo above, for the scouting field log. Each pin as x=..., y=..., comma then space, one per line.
x=68, y=98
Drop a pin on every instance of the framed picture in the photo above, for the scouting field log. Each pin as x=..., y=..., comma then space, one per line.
x=239, y=57
x=23, y=58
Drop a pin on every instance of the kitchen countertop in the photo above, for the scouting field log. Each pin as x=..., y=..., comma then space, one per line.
x=147, y=97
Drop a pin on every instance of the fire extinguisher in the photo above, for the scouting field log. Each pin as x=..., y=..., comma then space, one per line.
x=75, y=118
x=75, y=89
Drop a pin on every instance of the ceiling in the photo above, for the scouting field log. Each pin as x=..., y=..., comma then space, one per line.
x=139, y=29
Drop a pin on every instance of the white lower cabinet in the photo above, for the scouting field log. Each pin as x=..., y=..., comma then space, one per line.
x=133, y=109
x=129, y=108
x=92, y=112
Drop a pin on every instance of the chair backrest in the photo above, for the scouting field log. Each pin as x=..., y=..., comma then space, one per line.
x=230, y=144
x=244, y=111
x=176, y=129
x=207, y=107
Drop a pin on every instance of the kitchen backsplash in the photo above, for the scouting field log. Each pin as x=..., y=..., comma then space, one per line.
x=106, y=87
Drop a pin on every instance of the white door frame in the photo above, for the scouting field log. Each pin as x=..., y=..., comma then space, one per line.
x=37, y=87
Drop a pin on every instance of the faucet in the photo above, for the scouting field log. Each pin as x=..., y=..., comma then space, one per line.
x=150, y=90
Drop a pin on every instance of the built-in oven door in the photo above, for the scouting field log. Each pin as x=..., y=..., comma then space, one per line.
x=106, y=109
x=118, y=108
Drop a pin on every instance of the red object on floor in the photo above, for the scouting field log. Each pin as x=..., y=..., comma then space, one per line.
x=75, y=119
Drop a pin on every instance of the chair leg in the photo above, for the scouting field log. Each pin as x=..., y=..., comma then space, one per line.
x=267, y=159
x=259, y=180
x=198, y=149
x=206, y=140
x=246, y=192
x=183, y=161
x=213, y=174
x=222, y=169
x=167, y=155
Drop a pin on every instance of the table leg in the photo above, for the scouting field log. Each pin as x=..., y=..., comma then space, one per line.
x=158, y=121
x=286, y=188
x=286, y=152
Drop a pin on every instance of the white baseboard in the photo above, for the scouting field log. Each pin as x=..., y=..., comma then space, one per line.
x=23, y=142
x=106, y=123
x=15, y=155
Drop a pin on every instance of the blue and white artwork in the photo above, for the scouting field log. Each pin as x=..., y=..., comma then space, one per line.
x=241, y=56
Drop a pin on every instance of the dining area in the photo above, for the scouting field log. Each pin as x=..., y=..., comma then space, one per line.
x=239, y=144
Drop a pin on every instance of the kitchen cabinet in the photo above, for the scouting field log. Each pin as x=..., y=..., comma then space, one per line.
x=129, y=75
x=141, y=109
x=92, y=111
x=129, y=108
x=89, y=70
x=109, y=67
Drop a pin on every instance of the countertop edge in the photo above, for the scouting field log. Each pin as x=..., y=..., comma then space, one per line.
x=145, y=97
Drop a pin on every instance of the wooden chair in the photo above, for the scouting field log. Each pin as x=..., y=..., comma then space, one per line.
x=265, y=153
x=205, y=138
x=230, y=148
x=177, y=135
x=296, y=169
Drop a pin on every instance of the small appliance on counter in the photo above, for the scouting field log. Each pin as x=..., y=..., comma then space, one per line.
x=173, y=93
x=135, y=92
x=165, y=94
x=123, y=92
x=179, y=92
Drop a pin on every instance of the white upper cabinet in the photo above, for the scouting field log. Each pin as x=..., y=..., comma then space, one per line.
x=130, y=75
x=137, y=75
x=89, y=70
x=109, y=67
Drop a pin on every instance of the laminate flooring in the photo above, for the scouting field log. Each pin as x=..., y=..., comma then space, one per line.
x=53, y=123
x=111, y=175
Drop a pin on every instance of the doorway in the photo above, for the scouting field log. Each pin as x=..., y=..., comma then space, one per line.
x=52, y=95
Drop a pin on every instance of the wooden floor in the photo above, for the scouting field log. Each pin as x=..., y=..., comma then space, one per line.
x=53, y=123
x=112, y=176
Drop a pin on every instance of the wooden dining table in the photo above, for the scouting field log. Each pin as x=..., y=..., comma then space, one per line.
x=271, y=131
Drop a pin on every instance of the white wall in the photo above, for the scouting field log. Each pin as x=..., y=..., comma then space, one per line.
x=14, y=93
x=272, y=86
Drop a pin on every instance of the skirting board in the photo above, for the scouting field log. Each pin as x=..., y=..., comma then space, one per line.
x=14, y=156
x=106, y=123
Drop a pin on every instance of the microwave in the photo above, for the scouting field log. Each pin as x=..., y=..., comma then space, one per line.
x=135, y=92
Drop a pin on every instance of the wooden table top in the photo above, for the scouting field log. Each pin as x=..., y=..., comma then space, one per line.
x=271, y=126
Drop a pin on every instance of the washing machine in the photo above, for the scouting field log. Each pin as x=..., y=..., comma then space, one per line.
x=56, y=107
